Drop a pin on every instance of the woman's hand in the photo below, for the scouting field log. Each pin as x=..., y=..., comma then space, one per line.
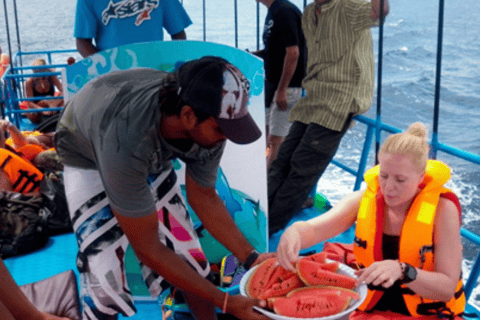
x=289, y=248
x=380, y=273
x=242, y=308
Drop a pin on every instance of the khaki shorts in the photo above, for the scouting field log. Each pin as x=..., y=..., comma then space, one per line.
x=276, y=119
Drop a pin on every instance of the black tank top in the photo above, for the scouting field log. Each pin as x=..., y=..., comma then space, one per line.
x=50, y=91
x=392, y=299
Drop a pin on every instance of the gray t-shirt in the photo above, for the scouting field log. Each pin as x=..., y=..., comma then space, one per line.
x=113, y=125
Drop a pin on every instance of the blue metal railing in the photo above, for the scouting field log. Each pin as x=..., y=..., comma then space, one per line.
x=14, y=80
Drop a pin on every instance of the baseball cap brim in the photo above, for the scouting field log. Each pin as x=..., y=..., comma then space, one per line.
x=241, y=131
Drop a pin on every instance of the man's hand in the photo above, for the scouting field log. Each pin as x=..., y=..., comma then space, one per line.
x=262, y=257
x=47, y=316
x=242, y=308
x=281, y=99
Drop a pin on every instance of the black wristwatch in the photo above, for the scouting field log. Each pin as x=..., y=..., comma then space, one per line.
x=409, y=273
x=251, y=259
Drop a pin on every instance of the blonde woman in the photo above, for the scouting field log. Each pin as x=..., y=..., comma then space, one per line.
x=40, y=87
x=407, y=240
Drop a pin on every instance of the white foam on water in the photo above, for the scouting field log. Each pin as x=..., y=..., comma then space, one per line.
x=467, y=194
x=475, y=295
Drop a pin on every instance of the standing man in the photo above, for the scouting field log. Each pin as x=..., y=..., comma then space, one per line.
x=114, y=23
x=117, y=137
x=339, y=84
x=284, y=61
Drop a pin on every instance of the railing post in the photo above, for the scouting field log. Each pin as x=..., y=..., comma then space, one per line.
x=438, y=75
x=363, y=159
x=379, y=86
x=475, y=272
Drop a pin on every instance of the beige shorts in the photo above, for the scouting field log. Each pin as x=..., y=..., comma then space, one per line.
x=276, y=119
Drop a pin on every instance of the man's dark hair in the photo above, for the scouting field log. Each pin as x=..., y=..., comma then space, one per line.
x=170, y=102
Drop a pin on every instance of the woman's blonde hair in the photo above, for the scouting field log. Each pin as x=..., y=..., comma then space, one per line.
x=40, y=62
x=413, y=142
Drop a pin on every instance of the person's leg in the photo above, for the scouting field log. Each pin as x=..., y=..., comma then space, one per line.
x=177, y=232
x=269, y=92
x=308, y=162
x=274, y=143
x=279, y=124
x=102, y=245
x=280, y=167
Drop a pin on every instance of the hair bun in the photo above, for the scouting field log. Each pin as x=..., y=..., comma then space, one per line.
x=418, y=130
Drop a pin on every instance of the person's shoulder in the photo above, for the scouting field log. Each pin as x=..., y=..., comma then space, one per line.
x=29, y=81
x=448, y=208
x=310, y=7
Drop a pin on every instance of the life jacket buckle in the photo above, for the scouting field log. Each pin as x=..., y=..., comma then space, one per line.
x=422, y=251
x=360, y=243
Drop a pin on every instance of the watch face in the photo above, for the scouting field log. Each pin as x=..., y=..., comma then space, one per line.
x=410, y=274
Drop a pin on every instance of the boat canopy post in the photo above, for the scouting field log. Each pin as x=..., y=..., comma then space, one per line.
x=7, y=28
x=258, y=26
x=436, y=109
x=236, y=23
x=378, y=133
x=18, y=31
x=204, y=20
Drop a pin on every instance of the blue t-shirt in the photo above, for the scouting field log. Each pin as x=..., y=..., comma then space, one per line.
x=115, y=23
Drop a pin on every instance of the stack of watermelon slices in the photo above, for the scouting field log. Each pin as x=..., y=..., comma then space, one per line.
x=315, y=290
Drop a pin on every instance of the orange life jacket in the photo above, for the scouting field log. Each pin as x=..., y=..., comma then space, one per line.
x=23, y=175
x=416, y=239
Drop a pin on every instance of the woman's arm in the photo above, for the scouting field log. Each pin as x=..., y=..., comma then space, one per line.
x=57, y=83
x=5, y=183
x=18, y=138
x=304, y=234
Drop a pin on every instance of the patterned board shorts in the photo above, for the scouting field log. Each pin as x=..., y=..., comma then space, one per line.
x=102, y=243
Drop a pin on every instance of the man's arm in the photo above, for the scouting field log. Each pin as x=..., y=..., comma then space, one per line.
x=14, y=303
x=258, y=53
x=289, y=66
x=215, y=217
x=376, y=9
x=182, y=35
x=142, y=233
x=85, y=47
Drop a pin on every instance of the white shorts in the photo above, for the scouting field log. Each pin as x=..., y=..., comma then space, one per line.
x=276, y=119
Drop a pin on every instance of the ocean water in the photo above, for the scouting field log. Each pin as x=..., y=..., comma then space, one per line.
x=409, y=66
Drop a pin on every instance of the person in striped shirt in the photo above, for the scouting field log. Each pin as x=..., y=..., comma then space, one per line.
x=339, y=84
